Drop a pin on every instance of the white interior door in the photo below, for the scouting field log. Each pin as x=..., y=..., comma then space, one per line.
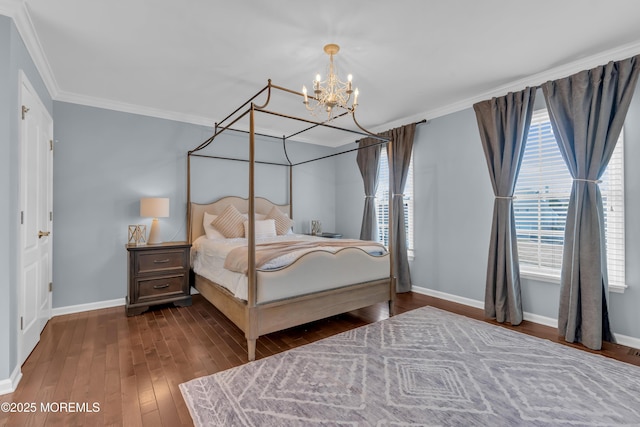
x=36, y=176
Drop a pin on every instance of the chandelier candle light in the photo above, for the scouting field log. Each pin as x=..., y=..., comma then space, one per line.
x=331, y=92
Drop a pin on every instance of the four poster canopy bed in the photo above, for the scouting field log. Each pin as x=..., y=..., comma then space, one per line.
x=248, y=263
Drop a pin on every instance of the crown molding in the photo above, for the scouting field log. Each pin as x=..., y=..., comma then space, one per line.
x=109, y=104
x=17, y=9
x=616, y=54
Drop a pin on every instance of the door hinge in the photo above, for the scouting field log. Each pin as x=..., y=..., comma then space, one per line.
x=25, y=110
x=21, y=217
x=50, y=215
x=21, y=323
x=51, y=145
x=50, y=286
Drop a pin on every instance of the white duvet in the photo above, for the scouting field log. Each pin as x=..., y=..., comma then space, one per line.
x=208, y=256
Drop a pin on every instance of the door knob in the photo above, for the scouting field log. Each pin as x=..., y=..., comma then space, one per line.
x=43, y=233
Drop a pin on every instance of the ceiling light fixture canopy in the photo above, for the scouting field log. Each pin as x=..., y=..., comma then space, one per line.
x=332, y=92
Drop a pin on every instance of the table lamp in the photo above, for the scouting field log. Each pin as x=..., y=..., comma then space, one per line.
x=154, y=207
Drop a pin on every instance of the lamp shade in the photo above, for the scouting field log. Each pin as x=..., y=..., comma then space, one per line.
x=154, y=207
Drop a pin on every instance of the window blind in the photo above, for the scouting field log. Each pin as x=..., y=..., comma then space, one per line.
x=541, y=200
x=382, y=203
x=612, y=189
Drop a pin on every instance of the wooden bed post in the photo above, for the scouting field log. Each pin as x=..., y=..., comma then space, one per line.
x=252, y=313
x=390, y=233
x=291, y=191
x=189, y=239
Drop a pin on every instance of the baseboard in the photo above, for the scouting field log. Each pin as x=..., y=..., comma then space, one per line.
x=627, y=340
x=10, y=384
x=70, y=309
x=449, y=297
x=531, y=317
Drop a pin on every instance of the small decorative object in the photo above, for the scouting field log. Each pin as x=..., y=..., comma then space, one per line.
x=133, y=235
x=316, y=227
x=141, y=234
x=137, y=235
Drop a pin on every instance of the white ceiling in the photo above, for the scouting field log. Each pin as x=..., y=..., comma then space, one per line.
x=197, y=60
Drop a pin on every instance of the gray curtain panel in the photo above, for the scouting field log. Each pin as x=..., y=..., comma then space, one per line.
x=368, y=159
x=401, y=149
x=504, y=124
x=587, y=112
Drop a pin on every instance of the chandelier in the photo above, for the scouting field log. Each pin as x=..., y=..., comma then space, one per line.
x=332, y=92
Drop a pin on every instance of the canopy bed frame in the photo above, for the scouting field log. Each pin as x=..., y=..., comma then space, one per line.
x=259, y=315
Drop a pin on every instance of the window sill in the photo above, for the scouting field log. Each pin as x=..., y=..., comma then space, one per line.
x=540, y=276
x=618, y=289
x=553, y=278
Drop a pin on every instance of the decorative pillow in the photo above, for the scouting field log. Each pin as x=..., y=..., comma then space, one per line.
x=209, y=229
x=283, y=222
x=264, y=228
x=230, y=223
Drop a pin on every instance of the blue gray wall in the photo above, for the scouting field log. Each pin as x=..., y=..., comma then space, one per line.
x=7, y=319
x=105, y=161
x=453, y=211
x=13, y=58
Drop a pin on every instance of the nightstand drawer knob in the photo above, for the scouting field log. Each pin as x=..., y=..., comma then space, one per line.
x=166, y=285
x=161, y=261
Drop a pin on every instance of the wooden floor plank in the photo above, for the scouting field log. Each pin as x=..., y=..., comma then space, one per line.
x=132, y=366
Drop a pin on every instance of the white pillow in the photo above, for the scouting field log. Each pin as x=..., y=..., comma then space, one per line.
x=259, y=216
x=264, y=228
x=209, y=229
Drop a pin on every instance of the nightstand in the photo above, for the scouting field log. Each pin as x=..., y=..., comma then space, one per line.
x=158, y=274
x=327, y=235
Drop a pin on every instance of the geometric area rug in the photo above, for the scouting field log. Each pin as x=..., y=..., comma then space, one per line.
x=426, y=367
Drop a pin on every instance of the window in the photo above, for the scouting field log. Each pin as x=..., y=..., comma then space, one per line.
x=541, y=200
x=382, y=203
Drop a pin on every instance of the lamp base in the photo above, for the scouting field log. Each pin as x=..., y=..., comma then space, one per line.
x=154, y=233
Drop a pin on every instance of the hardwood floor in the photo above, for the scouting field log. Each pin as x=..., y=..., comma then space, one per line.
x=130, y=367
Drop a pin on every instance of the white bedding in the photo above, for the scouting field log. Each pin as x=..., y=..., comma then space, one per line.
x=208, y=256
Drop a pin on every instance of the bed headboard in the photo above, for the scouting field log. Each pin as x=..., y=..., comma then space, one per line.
x=263, y=206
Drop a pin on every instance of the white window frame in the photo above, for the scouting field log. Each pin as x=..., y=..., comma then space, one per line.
x=382, y=203
x=551, y=193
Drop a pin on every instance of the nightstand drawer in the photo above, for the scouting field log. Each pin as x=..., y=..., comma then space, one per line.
x=149, y=262
x=160, y=287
